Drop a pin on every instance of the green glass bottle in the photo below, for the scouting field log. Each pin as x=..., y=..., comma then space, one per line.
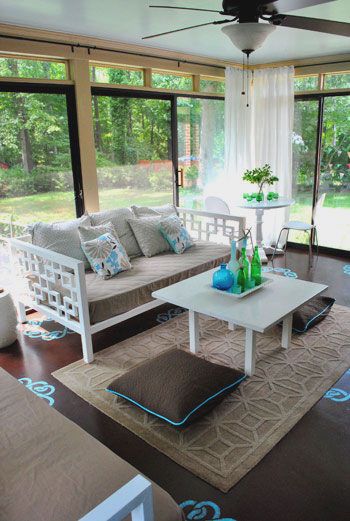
x=255, y=271
x=243, y=273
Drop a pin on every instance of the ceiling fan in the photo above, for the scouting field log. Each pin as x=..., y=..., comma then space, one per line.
x=248, y=34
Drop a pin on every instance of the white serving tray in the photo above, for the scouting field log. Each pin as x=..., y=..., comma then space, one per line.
x=264, y=282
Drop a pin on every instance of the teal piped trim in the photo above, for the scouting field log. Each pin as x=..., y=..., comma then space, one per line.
x=307, y=325
x=189, y=414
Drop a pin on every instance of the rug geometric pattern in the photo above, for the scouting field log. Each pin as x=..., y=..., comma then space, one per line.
x=225, y=444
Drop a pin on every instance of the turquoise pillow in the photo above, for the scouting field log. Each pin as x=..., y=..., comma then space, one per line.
x=176, y=234
x=106, y=256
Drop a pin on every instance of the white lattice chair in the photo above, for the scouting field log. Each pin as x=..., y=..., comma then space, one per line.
x=56, y=286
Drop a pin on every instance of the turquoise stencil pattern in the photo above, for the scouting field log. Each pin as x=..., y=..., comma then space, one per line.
x=346, y=269
x=168, y=315
x=286, y=272
x=337, y=395
x=41, y=389
x=46, y=335
x=205, y=511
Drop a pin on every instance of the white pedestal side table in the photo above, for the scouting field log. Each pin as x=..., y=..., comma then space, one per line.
x=260, y=208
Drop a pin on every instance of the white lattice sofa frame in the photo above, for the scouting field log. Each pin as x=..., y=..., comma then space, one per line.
x=57, y=287
x=134, y=498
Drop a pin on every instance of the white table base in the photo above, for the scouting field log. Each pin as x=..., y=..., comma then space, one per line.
x=250, y=339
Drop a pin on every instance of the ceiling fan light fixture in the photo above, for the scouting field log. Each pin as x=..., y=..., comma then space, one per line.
x=248, y=36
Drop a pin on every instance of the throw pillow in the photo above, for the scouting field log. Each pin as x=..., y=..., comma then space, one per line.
x=148, y=211
x=61, y=237
x=177, y=386
x=106, y=256
x=148, y=236
x=119, y=218
x=88, y=233
x=176, y=234
x=311, y=313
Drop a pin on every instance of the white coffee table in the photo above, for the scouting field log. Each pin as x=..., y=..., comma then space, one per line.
x=256, y=312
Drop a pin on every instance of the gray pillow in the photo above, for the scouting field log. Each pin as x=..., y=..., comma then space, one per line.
x=89, y=233
x=148, y=211
x=148, y=236
x=61, y=237
x=119, y=218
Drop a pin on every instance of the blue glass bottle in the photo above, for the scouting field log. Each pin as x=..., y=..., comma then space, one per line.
x=223, y=278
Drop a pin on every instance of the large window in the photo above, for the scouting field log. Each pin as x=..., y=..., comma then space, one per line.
x=304, y=162
x=334, y=221
x=201, y=144
x=37, y=148
x=134, y=150
x=321, y=165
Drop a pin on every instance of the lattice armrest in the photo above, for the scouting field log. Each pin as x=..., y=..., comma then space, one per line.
x=55, y=282
x=209, y=225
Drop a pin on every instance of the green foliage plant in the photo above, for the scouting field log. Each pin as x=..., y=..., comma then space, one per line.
x=260, y=176
x=191, y=173
x=160, y=180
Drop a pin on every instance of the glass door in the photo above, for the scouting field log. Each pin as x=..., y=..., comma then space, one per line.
x=38, y=155
x=333, y=221
x=201, y=147
x=321, y=167
x=133, y=139
x=304, y=141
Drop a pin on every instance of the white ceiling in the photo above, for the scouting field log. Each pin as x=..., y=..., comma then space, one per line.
x=128, y=21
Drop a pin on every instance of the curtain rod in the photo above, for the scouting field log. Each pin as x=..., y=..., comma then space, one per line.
x=96, y=48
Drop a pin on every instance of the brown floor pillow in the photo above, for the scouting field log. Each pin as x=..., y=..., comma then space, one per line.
x=311, y=313
x=177, y=386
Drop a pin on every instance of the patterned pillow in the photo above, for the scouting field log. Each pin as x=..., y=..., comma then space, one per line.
x=148, y=211
x=106, y=256
x=61, y=237
x=119, y=219
x=176, y=234
x=148, y=235
x=88, y=233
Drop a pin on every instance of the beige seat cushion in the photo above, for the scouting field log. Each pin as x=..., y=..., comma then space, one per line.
x=132, y=288
x=53, y=470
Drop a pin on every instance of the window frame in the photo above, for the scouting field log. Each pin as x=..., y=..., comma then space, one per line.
x=129, y=93
x=68, y=91
x=320, y=97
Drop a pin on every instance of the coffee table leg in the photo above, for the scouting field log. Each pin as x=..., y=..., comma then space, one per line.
x=287, y=331
x=194, y=331
x=250, y=348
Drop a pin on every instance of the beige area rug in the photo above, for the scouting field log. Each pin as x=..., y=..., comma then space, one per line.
x=224, y=445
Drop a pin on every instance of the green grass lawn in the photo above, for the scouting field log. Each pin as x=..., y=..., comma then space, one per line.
x=56, y=206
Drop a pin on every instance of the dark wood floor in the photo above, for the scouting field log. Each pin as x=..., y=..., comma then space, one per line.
x=306, y=477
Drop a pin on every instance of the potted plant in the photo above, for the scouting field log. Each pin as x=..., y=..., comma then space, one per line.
x=260, y=176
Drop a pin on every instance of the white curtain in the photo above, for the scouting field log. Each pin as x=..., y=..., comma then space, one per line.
x=258, y=134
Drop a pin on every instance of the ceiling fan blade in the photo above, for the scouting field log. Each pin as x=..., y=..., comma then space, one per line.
x=284, y=6
x=311, y=24
x=185, y=8
x=218, y=22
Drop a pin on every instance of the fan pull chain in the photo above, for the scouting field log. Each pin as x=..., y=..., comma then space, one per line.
x=248, y=86
x=243, y=91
